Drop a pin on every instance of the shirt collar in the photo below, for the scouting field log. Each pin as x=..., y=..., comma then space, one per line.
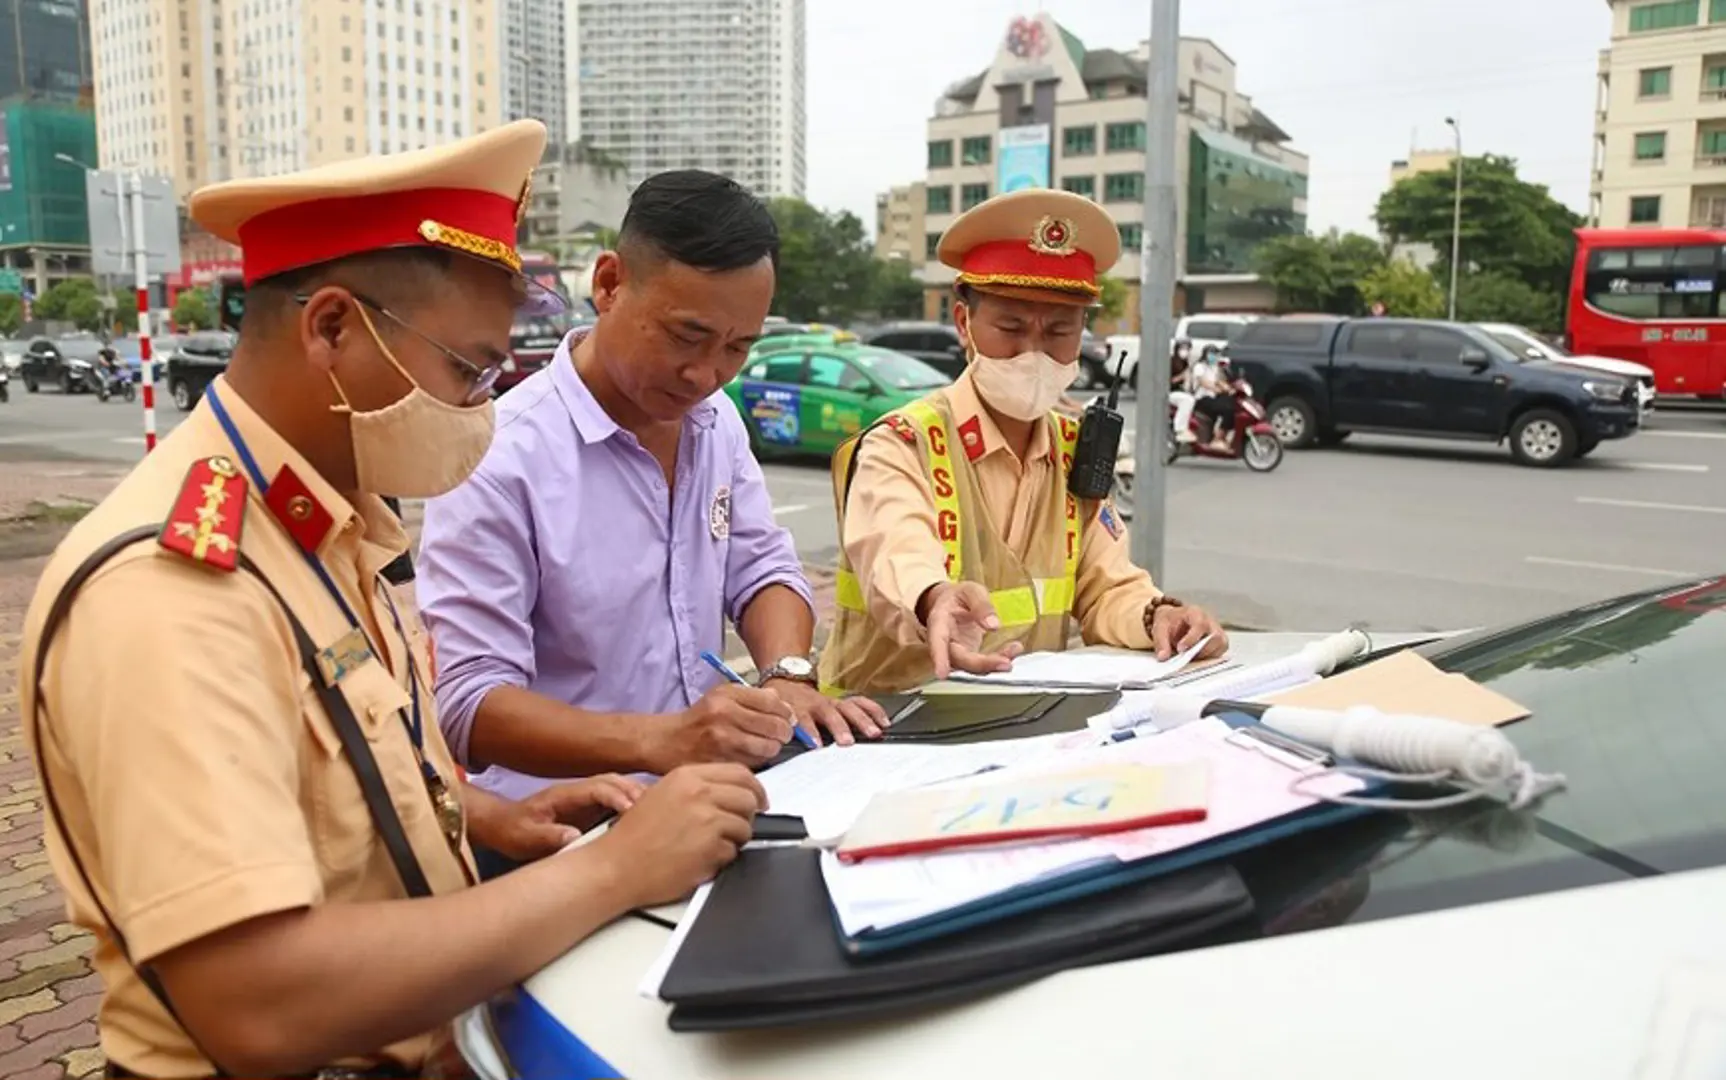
x=311, y=511
x=591, y=420
x=967, y=405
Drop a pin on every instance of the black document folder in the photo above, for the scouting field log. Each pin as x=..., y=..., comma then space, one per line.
x=946, y=719
x=765, y=952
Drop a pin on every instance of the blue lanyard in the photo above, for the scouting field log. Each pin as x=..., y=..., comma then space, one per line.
x=415, y=726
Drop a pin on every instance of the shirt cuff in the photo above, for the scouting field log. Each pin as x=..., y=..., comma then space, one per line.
x=795, y=581
x=902, y=621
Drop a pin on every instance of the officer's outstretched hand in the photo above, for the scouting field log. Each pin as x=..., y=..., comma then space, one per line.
x=685, y=828
x=731, y=723
x=956, y=616
x=548, y=820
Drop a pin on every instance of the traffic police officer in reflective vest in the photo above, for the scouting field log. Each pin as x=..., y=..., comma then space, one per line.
x=248, y=800
x=960, y=545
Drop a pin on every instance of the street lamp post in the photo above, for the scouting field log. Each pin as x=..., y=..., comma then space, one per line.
x=1456, y=218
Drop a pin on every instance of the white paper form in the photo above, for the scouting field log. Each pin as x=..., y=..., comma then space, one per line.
x=1248, y=787
x=828, y=788
x=1103, y=669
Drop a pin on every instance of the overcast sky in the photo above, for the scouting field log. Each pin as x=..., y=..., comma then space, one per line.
x=1352, y=83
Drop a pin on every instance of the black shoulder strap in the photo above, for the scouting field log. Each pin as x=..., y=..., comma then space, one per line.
x=348, y=731
x=851, y=464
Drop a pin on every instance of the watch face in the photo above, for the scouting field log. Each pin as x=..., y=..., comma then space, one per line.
x=796, y=666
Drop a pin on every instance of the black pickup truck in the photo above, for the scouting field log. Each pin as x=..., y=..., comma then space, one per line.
x=1323, y=379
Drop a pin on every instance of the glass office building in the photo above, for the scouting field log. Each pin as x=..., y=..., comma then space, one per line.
x=1236, y=200
x=45, y=50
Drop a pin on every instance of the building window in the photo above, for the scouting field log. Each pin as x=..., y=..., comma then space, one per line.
x=1713, y=144
x=1080, y=185
x=940, y=200
x=1120, y=138
x=1717, y=11
x=1651, y=146
x=940, y=153
x=972, y=194
x=1124, y=187
x=1079, y=141
x=1132, y=236
x=1644, y=209
x=1665, y=16
x=976, y=150
x=1654, y=82
x=931, y=243
x=348, y=114
x=347, y=55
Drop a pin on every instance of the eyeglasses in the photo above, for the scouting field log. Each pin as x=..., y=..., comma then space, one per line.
x=480, y=378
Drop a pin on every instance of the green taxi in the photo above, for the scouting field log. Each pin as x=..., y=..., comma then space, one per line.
x=807, y=393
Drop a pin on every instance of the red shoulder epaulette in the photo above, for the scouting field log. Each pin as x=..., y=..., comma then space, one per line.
x=205, y=523
x=902, y=426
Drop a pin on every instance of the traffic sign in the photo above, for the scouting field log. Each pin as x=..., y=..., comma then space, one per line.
x=12, y=282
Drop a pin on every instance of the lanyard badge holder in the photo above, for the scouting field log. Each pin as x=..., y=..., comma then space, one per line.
x=1093, y=473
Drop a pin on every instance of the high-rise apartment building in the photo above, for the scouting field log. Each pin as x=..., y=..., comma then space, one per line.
x=1048, y=112
x=206, y=90
x=535, y=66
x=709, y=84
x=1660, y=117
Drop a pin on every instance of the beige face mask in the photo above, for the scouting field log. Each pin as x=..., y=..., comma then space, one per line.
x=1024, y=387
x=417, y=447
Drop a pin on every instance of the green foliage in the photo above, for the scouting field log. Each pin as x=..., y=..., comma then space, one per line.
x=1319, y=273
x=828, y=271
x=1405, y=290
x=194, y=310
x=74, y=300
x=895, y=292
x=1509, y=226
x=11, y=313
x=1497, y=297
x=1112, y=304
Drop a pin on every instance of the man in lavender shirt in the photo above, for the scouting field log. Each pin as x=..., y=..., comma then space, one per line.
x=619, y=519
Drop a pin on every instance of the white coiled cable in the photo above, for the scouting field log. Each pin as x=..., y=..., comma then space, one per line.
x=1416, y=749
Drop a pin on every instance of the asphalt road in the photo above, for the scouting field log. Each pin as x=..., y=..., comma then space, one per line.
x=1393, y=534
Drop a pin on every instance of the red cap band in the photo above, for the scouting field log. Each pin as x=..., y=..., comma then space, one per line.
x=1016, y=262
x=479, y=223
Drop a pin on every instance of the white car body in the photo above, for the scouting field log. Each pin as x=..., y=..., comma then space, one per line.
x=1211, y=328
x=1533, y=347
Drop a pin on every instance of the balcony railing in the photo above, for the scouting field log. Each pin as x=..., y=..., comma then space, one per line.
x=1714, y=93
x=1711, y=160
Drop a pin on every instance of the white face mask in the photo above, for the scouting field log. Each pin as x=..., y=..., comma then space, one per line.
x=1025, y=387
x=418, y=447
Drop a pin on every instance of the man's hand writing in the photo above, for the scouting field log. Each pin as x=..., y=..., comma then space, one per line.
x=839, y=717
x=957, y=615
x=731, y=723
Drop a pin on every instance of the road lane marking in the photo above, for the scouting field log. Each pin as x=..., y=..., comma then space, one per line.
x=1611, y=568
x=1662, y=466
x=1684, y=434
x=1633, y=504
x=790, y=508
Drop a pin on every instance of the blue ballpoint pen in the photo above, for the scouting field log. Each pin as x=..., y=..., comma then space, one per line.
x=724, y=669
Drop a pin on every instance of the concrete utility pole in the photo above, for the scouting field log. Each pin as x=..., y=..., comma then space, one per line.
x=1455, y=218
x=1156, y=286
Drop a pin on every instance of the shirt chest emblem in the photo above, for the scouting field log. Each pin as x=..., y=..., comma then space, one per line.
x=719, y=513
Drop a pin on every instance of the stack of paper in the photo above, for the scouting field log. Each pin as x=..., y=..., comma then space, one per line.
x=828, y=788
x=1248, y=788
x=1102, y=668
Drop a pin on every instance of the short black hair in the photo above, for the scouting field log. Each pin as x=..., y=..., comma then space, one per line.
x=398, y=278
x=699, y=219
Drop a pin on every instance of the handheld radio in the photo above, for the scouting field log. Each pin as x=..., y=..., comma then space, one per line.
x=1093, y=472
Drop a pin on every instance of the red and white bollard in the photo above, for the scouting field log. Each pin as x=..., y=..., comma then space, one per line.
x=141, y=269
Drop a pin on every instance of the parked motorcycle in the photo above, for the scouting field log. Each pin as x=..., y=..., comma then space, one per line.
x=1252, y=441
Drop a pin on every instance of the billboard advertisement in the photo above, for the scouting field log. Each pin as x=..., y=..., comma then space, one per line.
x=1024, y=158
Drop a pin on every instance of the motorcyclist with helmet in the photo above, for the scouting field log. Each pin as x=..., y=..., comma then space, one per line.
x=1213, y=386
x=1180, y=391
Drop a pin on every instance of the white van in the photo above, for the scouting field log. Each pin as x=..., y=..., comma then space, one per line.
x=1210, y=328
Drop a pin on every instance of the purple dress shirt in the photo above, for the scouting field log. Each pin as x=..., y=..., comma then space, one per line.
x=565, y=566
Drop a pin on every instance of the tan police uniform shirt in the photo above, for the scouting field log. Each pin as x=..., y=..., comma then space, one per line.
x=200, y=779
x=891, y=542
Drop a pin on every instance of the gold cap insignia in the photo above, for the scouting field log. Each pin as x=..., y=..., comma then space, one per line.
x=1053, y=236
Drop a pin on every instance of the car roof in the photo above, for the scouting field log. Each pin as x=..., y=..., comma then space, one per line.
x=822, y=339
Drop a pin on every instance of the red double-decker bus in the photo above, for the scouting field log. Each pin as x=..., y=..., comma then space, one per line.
x=1655, y=297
